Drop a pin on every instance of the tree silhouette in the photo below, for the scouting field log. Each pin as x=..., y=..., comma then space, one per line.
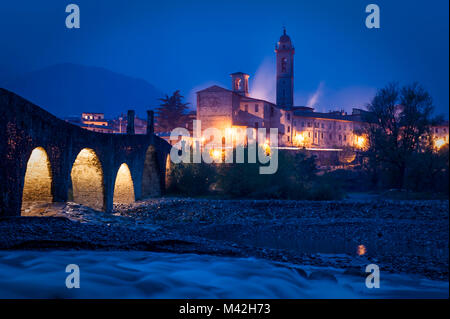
x=171, y=113
x=403, y=119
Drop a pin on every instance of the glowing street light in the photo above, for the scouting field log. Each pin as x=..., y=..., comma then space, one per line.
x=439, y=143
x=299, y=139
x=360, y=142
x=215, y=154
x=266, y=147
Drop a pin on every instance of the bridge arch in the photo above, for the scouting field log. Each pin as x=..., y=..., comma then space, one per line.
x=151, y=183
x=168, y=172
x=37, y=186
x=87, y=180
x=124, y=186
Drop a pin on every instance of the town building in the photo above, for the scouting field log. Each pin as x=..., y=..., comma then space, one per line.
x=96, y=122
x=298, y=126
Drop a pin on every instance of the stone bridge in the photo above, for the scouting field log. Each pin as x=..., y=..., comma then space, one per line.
x=46, y=159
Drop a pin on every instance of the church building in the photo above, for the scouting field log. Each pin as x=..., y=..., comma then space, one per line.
x=299, y=126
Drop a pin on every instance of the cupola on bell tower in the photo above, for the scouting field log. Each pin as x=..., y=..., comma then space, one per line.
x=285, y=71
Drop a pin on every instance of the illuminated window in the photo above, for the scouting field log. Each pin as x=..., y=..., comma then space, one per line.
x=238, y=84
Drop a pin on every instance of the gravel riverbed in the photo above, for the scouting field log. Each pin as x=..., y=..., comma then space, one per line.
x=399, y=236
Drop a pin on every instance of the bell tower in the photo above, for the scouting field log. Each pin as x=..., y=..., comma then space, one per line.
x=285, y=71
x=239, y=83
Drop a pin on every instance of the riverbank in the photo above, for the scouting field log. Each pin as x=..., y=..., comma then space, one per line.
x=400, y=236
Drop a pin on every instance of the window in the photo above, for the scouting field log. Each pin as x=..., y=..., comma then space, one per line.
x=309, y=124
x=309, y=134
x=340, y=137
x=321, y=135
x=256, y=108
x=315, y=134
x=288, y=138
x=331, y=137
x=323, y=126
x=246, y=107
x=303, y=124
x=289, y=128
x=288, y=116
x=283, y=64
x=238, y=84
x=256, y=124
x=437, y=130
x=345, y=137
x=271, y=111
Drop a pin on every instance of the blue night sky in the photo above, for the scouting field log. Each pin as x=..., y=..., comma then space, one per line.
x=189, y=45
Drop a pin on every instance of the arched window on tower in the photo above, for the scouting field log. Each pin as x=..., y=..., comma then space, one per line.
x=238, y=84
x=283, y=65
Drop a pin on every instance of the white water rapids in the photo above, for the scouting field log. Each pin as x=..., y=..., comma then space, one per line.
x=41, y=274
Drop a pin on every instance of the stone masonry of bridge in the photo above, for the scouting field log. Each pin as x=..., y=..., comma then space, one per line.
x=43, y=158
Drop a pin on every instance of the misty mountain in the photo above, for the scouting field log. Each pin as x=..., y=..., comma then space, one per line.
x=70, y=89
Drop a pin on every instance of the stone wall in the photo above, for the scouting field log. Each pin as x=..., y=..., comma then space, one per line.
x=215, y=108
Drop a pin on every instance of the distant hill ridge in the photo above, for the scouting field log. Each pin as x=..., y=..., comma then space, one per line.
x=70, y=89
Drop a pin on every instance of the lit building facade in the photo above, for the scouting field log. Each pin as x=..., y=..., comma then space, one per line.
x=298, y=126
x=96, y=122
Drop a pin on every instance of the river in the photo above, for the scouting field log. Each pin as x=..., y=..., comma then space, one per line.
x=119, y=274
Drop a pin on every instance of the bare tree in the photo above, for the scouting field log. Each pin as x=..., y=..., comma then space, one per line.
x=401, y=119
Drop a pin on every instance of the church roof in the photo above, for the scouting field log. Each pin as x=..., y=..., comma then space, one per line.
x=238, y=73
x=215, y=88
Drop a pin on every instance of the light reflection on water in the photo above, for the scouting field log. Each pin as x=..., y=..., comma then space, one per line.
x=304, y=242
x=33, y=274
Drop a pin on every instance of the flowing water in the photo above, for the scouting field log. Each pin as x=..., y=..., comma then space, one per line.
x=41, y=274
